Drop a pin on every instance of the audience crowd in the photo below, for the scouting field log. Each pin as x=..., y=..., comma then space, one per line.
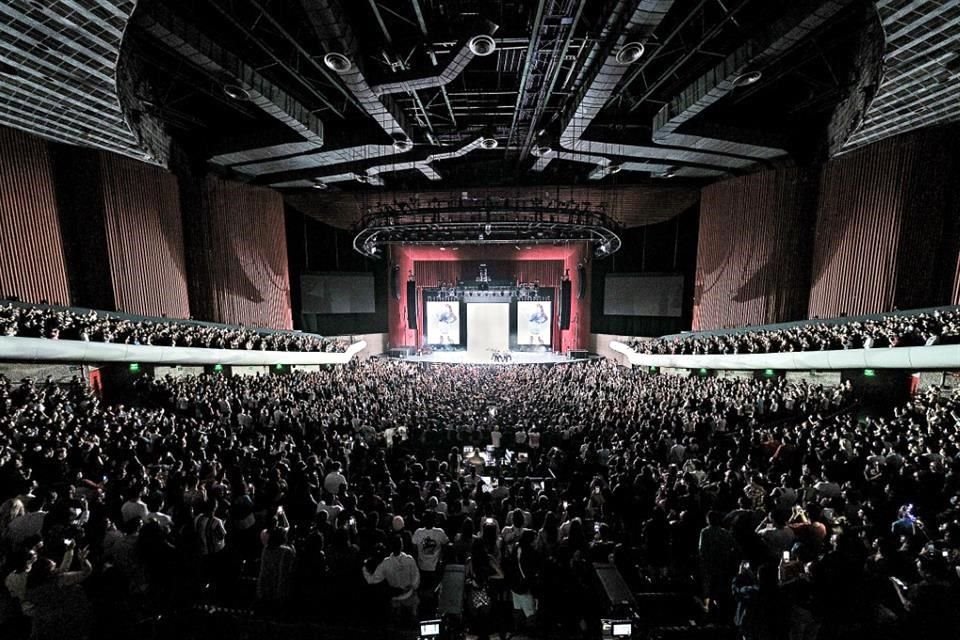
x=93, y=326
x=921, y=329
x=342, y=495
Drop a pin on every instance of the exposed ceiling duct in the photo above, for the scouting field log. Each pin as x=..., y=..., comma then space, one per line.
x=712, y=156
x=327, y=19
x=58, y=77
x=201, y=51
x=424, y=166
x=921, y=79
x=741, y=67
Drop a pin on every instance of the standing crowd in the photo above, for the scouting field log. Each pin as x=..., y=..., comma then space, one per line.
x=345, y=495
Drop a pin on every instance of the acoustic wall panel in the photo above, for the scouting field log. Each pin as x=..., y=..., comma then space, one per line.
x=754, y=247
x=239, y=257
x=144, y=238
x=32, y=264
x=879, y=222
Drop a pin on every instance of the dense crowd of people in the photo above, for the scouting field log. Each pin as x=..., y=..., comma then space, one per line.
x=97, y=326
x=913, y=330
x=344, y=493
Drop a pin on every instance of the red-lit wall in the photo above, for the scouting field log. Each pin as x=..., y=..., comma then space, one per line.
x=239, y=266
x=754, y=247
x=144, y=238
x=405, y=258
x=880, y=220
x=32, y=264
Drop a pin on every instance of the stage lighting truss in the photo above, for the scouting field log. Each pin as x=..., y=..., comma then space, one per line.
x=512, y=222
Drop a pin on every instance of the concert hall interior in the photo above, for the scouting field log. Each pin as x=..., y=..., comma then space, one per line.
x=476, y=319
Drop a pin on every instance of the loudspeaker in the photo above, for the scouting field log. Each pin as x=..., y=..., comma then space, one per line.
x=581, y=281
x=411, y=304
x=395, y=281
x=565, y=295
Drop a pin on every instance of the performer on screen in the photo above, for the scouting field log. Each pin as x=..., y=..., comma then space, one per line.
x=538, y=323
x=446, y=321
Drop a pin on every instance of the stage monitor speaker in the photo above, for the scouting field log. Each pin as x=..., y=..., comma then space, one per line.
x=411, y=304
x=565, y=295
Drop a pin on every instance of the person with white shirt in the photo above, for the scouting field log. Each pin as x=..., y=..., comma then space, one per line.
x=430, y=542
x=400, y=571
x=334, y=480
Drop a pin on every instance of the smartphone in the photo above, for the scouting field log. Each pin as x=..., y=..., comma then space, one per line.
x=786, y=556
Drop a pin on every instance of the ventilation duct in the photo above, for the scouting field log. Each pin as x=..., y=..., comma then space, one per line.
x=724, y=78
x=424, y=166
x=712, y=155
x=201, y=51
x=327, y=19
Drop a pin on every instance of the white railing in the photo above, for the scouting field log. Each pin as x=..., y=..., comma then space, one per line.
x=934, y=357
x=77, y=351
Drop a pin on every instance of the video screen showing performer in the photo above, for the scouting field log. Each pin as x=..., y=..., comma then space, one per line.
x=533, y=323
x=443, y=323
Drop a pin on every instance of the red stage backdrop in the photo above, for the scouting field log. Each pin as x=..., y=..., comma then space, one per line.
x=32, y=264
x=431, y=266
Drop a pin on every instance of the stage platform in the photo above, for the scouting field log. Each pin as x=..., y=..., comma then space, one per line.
x=467, y=357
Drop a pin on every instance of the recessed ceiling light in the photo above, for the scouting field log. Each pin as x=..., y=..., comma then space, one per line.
x=489, y=143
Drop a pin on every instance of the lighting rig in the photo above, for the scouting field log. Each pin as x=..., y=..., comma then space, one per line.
x=486, y=221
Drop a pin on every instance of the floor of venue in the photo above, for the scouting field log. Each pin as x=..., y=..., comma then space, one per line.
x=474, y=357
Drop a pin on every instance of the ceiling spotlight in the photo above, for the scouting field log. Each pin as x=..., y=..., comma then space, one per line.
x=320, y=184
x=337, y=62
x=236, y=92
x=616, y=167
x=747, y=78
x=630, y=53
x=401, y=143
x=363, y=179
x=489, y=143
x=482, y=45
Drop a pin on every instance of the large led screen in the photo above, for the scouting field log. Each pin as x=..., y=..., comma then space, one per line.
x=533, y=323
x=443, y=322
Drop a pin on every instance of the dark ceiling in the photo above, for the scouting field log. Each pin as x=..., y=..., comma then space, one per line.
x=371, y=95
x=549, y=57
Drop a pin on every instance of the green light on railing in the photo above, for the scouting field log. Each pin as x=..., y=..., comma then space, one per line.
x=768, y=372
x=278, y=367
x=134, y=367
x=703, y=372
x=218, y=367
x=869, y=373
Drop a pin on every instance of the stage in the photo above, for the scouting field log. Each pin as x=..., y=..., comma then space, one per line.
x=468, y=357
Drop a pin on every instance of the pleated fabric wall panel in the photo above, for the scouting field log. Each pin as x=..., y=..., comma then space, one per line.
x=879, y=220
x=754, y=248
x=32, y=265
x=245, y=275
x=144, y=232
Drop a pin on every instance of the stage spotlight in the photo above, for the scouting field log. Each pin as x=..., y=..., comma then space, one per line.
x=482, y=45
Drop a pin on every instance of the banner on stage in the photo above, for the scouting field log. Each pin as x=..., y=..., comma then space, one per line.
x=443, y=323
x=533, y=323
